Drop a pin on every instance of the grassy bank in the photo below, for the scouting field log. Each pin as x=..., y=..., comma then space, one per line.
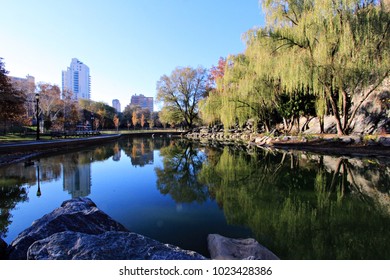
x=20, y=137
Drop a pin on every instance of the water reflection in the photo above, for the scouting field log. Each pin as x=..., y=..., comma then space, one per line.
x=12, y=192
x=301, y=206
x=140, y=151
x=179, y=175
x=305, y=206
x=77, y=174
x=74, y=169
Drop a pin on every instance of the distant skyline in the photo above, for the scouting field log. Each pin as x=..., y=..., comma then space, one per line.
x=127, y=44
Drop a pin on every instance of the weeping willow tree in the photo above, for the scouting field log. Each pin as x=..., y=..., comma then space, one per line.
x=335, y=50
x=339, y=48
x=210, y=108
x=241, y=94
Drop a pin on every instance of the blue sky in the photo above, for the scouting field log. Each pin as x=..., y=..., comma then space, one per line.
x=127, y=44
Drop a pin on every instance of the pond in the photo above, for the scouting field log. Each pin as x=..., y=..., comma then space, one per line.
x=299, y=205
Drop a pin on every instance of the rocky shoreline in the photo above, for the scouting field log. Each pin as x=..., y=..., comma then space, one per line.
x=78, y=230
x=355, y=145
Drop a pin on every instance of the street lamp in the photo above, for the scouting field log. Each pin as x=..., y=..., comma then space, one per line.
x=37, y=100
x=92, y=120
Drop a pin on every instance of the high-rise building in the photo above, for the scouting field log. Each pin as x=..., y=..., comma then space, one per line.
x=142, y=101
x=117, y=105
x=76, y=79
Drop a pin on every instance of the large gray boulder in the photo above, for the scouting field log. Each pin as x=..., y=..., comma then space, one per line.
x=79, y=230
x=224, y=248
x=111, y=245
x=78, y=215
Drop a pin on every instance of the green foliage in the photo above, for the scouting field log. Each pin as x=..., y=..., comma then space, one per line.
x=99, y=111
x=334, y=47
x=12, y=101
x=180, y=93
x=310, y=52
x=299, y=207
x=178, y=176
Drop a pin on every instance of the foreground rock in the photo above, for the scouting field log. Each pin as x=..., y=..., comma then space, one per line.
x=223, y=248
x=79, y=215
x=111, y=245
x=79, y=230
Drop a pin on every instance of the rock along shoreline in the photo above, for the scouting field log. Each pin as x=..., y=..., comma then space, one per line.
x=78, y=230
x=352, y=145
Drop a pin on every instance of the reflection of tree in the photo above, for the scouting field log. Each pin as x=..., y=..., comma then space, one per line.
x=178, y=177
x=314, y=211
x=13, y=190
x=140, y=151
x=15, y=179
x=11, y=194
x=101, y=153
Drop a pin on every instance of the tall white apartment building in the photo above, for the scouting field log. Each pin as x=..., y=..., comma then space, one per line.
x=76, y=79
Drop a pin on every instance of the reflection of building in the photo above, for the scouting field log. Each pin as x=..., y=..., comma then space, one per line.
x=117, y=156
x=77, y=179
x=142, y=101
x=76, y=80
x=117, y=105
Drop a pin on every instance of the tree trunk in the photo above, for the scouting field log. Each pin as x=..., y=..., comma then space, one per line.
x=345, y=110
x=322, y=124
x=306, y=124
x=335, y=112
x=285, y=125
x=298, y=125
x=266, y=127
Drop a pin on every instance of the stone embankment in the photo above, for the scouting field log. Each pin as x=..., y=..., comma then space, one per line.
x=78, y=230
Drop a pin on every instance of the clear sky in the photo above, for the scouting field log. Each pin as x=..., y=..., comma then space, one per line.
x=127, y=44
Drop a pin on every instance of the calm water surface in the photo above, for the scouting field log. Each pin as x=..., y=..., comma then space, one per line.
x=301, y=206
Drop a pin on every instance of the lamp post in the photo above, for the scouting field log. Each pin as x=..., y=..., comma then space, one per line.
x=37, y=100
x=92, y=120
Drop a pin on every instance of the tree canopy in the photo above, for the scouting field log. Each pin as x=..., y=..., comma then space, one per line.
x=11, y=100
x=326, y=52
x=180, y=93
